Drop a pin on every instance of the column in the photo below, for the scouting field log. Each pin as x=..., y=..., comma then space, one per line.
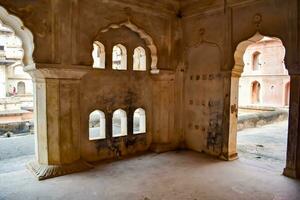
x=292, y=168
x=230, y=118
x=57, y=123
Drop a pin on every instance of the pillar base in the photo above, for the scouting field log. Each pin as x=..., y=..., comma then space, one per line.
x=43, y=172
x=230, y=157
x=290, y=172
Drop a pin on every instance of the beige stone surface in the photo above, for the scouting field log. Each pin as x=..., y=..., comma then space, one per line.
x=188, y=175
x=189, y=90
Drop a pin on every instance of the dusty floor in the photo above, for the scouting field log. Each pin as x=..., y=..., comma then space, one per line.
x=16, y=146
x=266, y=145
x=183, y=175
x=15, y=152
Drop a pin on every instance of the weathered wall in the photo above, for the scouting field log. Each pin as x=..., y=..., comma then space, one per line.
x=108, y=90
x=68, y=30
x=203, y=116
x=192, y=100
x=208, y=83
x=64, y=32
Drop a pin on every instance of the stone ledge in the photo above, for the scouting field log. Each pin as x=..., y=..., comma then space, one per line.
x=259, y=119
x=43, y=172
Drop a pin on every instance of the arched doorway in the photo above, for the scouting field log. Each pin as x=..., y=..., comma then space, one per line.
x=17, y=138
x=259, y=111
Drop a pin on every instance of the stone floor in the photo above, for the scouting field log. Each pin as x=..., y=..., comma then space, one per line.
x=266, y=145
x=15, y=152
x=181, y=175
x=16, y=146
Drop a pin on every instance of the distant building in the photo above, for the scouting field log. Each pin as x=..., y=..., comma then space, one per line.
x=13, y=80
x=16, y=89
x=265, y=80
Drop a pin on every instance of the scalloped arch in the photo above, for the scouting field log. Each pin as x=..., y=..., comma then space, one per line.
x=240, y=51
x=147, y=38
x=16, y=24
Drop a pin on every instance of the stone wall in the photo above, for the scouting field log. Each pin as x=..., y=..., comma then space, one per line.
x=190, y=88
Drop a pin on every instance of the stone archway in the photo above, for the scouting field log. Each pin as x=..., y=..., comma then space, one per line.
x=49, y=86
x=16, y=26
x=234, y=89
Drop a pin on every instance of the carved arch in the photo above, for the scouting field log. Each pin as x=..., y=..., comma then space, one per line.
x=147, y=38
x=238, y=67
x=23, y=33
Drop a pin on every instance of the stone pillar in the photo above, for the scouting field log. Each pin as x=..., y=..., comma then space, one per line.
x=130, y=127
x=57, y=122
x=164, y=137
x=292, y=168
x=230, y=118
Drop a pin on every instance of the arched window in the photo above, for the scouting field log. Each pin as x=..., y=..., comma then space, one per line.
x=119, y=57
x=98, y=55
x=139, y=59
x=119, y=126
x=256, y=60
x=21, y=88
x=18, y=70
x=97, y=125
x=139, y=121
x=255, y=92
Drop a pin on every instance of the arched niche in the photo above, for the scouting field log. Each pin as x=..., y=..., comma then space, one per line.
x=256, y=61
x=21, y=88
x=23, y=33
x=142, y=34
x=255, y=92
